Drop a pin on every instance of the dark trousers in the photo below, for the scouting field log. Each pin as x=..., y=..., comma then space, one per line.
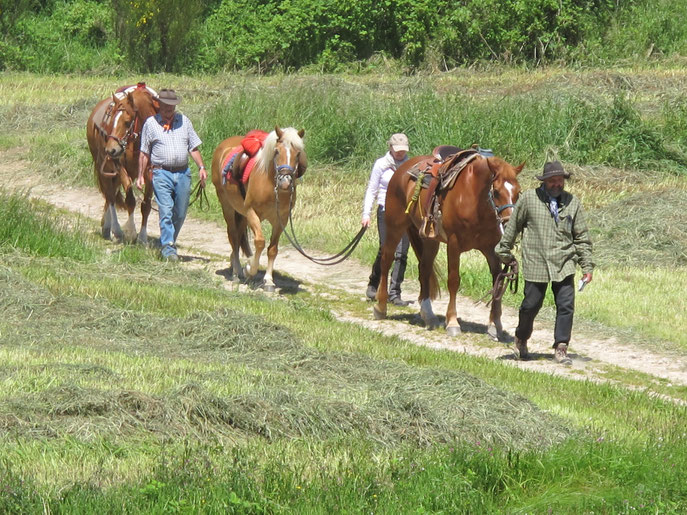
x=400, y=260
x=563, y=294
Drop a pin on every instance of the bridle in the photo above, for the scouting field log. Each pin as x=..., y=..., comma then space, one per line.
x=497, y=209
x=130, y=131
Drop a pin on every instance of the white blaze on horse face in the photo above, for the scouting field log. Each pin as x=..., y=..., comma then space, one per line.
x=116, y=119
x=509, y=187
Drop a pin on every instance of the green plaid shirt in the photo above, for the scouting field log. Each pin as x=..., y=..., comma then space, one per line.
x=550, y=250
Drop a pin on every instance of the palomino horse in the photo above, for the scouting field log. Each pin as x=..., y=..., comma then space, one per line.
x=268, y=195
x=113, y=131
x=482, y=198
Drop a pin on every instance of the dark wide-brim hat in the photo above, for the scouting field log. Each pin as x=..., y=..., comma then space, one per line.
x=553, y=169
x=169, y=97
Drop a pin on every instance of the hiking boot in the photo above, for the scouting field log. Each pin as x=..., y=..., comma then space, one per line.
x=561, y=354
x=520, y=348
x=397, y=301
x=371, y=293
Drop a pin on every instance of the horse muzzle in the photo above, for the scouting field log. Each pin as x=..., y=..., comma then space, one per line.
x=114, y=150
x=284, y=182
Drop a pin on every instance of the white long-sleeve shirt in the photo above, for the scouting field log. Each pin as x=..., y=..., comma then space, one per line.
x=382, y=171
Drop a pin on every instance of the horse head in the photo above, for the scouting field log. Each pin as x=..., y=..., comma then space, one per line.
x=505, y=188
x=129, y=112
x=288, y=158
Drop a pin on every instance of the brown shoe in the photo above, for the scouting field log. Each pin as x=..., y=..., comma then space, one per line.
x=520, y=349
x=561, y=354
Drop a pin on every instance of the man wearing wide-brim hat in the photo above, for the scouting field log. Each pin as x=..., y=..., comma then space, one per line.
x=167, y=139
x=555, y=238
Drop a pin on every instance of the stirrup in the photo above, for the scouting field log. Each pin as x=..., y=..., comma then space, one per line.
x=428, y=229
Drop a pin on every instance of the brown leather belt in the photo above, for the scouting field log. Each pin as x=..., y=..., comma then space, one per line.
x=173, y=169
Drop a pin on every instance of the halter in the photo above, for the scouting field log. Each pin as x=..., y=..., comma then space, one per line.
x=124, y=141
x=497, y=210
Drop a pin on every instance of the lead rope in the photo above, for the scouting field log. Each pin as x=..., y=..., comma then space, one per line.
x=328, y=261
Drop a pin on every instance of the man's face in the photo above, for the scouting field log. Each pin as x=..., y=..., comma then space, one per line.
x=554, y=185
x=166, y=110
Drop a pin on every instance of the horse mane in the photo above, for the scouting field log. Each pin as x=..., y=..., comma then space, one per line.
x=289, y=137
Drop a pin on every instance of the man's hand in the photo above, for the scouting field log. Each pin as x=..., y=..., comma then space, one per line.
x=587, y=278
x=203, y=173
x=365, y=221
x=140, y=180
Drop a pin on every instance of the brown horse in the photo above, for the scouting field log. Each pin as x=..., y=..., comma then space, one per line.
x=280, y=161
x=113, y=131
x=473, y=212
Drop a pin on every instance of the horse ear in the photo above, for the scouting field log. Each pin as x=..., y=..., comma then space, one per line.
x=302, y=163
x=278, y=131
x=301, y=133
x=519, y=168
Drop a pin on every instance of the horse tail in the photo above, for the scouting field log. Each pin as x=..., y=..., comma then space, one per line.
x=243, y=234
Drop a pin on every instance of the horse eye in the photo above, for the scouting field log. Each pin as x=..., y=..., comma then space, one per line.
x=497, y=194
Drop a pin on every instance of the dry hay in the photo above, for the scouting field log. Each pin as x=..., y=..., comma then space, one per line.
x=290, y=390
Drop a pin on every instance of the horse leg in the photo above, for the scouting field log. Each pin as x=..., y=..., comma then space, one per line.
x=429, y=249
x=235, y=224
x=452, y=326
x=394, y=233
x=495, y=328
x=272, y=251
x=258, y=242
x=106, y=222
x=130, y=225
x=146, y=207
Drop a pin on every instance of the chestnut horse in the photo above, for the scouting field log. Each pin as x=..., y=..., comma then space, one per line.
x=268, y=195
x=473, y=212
x=113, y=133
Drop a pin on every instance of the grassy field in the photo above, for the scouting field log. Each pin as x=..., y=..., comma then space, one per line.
x=131, y=383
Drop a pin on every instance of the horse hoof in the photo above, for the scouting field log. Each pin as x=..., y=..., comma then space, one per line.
x=453, y=330
x=269, y=288
x=493, y=333
x=378, y=313
x=432, y=324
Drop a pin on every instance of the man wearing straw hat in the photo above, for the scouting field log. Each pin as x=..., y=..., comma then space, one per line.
x=167, y=139
x=554, y=239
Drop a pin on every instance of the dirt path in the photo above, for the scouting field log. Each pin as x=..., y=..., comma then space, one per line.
x=592, y=355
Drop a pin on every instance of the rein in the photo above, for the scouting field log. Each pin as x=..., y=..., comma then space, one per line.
x=328, y=261
x=506, y=279
x=198, y=193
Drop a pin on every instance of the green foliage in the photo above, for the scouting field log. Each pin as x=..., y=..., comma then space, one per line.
x=332, y=35
x=156, y=33
x=73, y=36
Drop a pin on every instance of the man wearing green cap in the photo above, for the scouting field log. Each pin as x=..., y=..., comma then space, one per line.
x=554, y=239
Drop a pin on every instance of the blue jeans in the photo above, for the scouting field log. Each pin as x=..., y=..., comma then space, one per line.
x=172, y=193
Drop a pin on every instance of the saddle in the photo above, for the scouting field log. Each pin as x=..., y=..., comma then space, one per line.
x=436, y=174
x=240, y=161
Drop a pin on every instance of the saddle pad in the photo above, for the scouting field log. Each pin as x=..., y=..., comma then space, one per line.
x=124, y=90
x=229, y=163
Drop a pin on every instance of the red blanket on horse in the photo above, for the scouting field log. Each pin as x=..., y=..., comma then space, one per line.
x=251, y=145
